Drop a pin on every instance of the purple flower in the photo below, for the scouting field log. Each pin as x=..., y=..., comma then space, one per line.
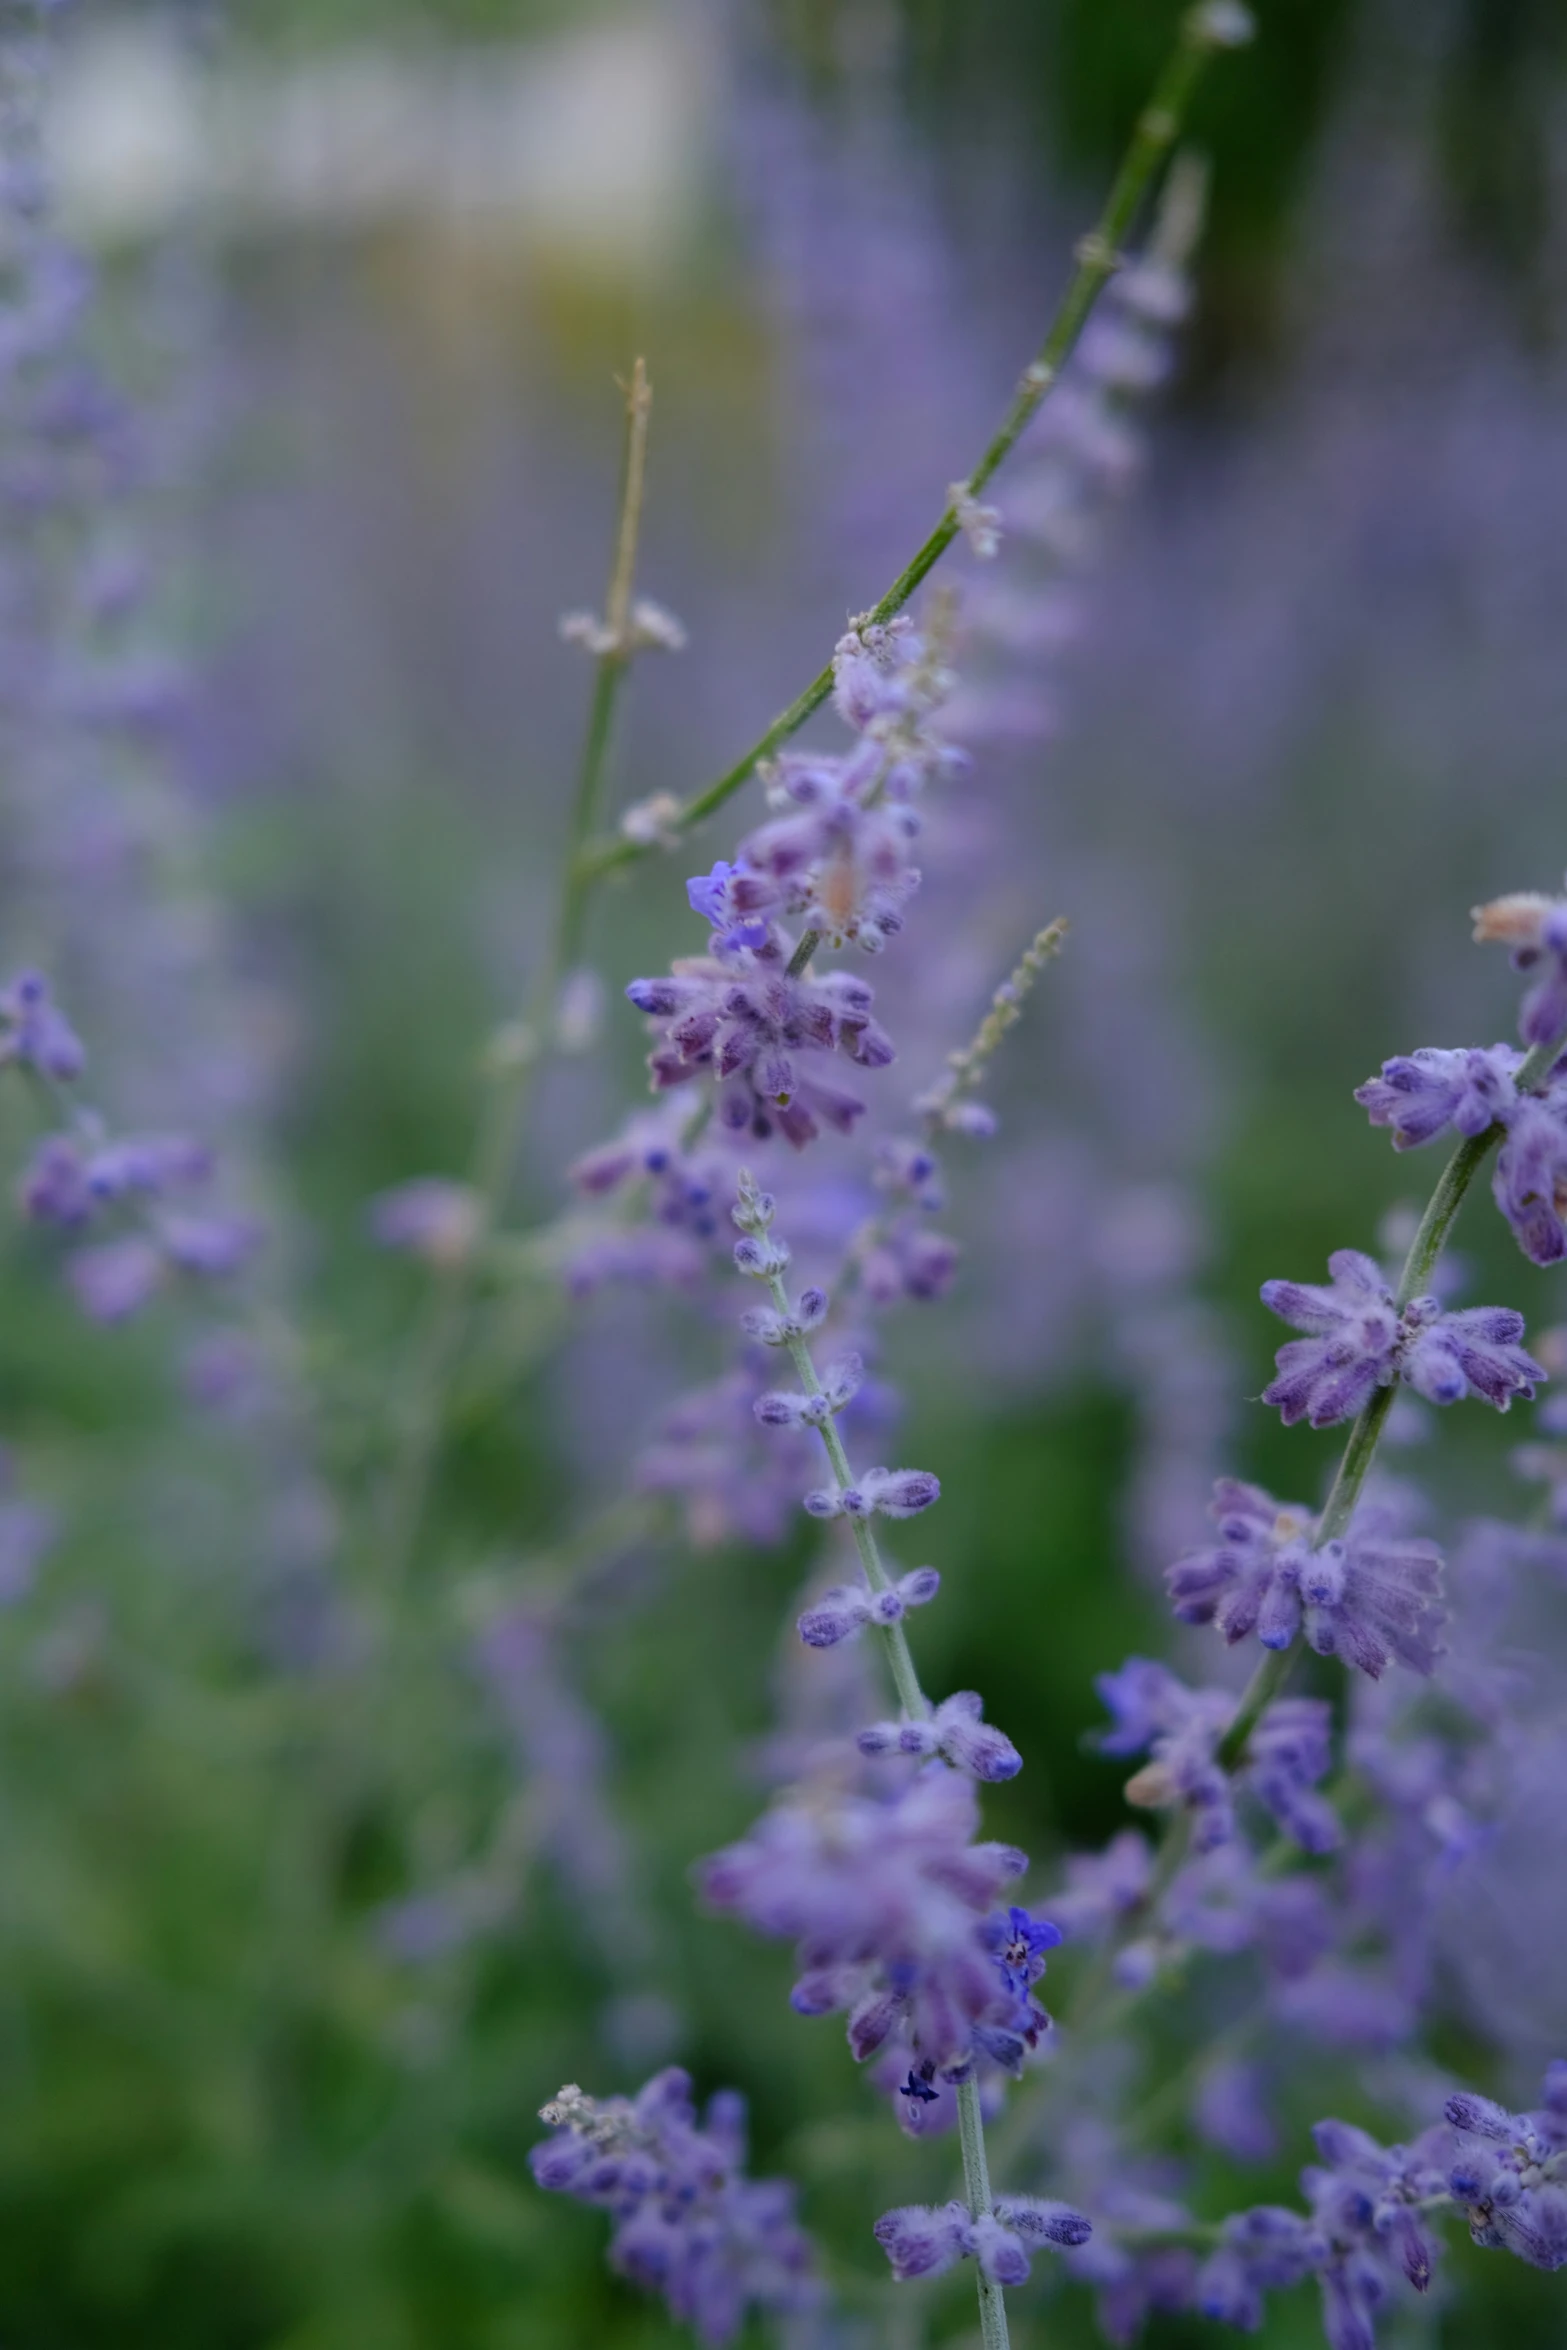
x=891, y=1493
x=1371, y=1597
x=1289, y=1751
x=1510, y=2172
x=1104, y=1888
x=888, y=1901
x=114, y=1281
x=1474, y=1352
x=848, y=1608
x=1535, y=928
x=1530, y=1180
x=1375, y=1598
x=957, y=1732
x=1019, y=1943
x=733, y=1479
x=689, y=2225
x=908, y=1261
x=1249, y=1580
x=212, y=1246
x=1365, y=2209
x=1180, y=1728
x=1264, y=2250
x=734, y=901
x=760, y=1035
x=687, y=1185
x=1421, y=1094
x=55, y=1189
x=838, y=858
x=36, y=1031
x=1354, y=1331
x=921, y=2240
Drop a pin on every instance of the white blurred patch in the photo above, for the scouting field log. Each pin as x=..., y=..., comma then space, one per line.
x=589, y=146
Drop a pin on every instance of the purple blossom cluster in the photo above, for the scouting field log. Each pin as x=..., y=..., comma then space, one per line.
x=84, y=1177
x=1359, y=1340
x=892, y=1906
x=751, y=1014
x=688, y=2224
x=1479, y=1091
x=1370, y=1597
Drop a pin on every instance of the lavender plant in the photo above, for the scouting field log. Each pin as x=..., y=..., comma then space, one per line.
x=894, y=1909
x=407, y=1793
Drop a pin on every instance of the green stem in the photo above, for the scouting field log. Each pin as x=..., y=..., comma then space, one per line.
x=1098, y=257
x=511, y=1072
x=976, y=2190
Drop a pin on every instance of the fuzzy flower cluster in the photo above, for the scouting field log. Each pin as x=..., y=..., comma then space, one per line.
x=689, y=2224
x=1370, y=1598
x=894, y=1909
x=1470, y=1091
x=1510, y=2174
x=1181, y=1730
x=922, y=2240
x=85, y=1178
x=1359, y=1340
x=765, y=1030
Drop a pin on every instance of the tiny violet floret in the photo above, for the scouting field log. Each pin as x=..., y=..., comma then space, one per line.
x=957, y=1732
x=734, y=903
x=923, y=2240
x=890, y=1493
x=842, y=1612
x=1019, y=1943
x=34, y=1030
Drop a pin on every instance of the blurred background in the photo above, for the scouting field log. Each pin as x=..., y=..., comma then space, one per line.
x=374, y=267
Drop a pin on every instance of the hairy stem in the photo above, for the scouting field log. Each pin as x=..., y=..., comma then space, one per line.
x=916, y=1706
x=1098, y=257
x=976, y=2192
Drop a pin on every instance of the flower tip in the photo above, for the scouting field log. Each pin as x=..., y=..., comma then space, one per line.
x=1515, y=920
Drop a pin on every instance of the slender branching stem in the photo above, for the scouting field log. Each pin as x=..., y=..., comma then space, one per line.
x=514, y=1058
x=1098, y=257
